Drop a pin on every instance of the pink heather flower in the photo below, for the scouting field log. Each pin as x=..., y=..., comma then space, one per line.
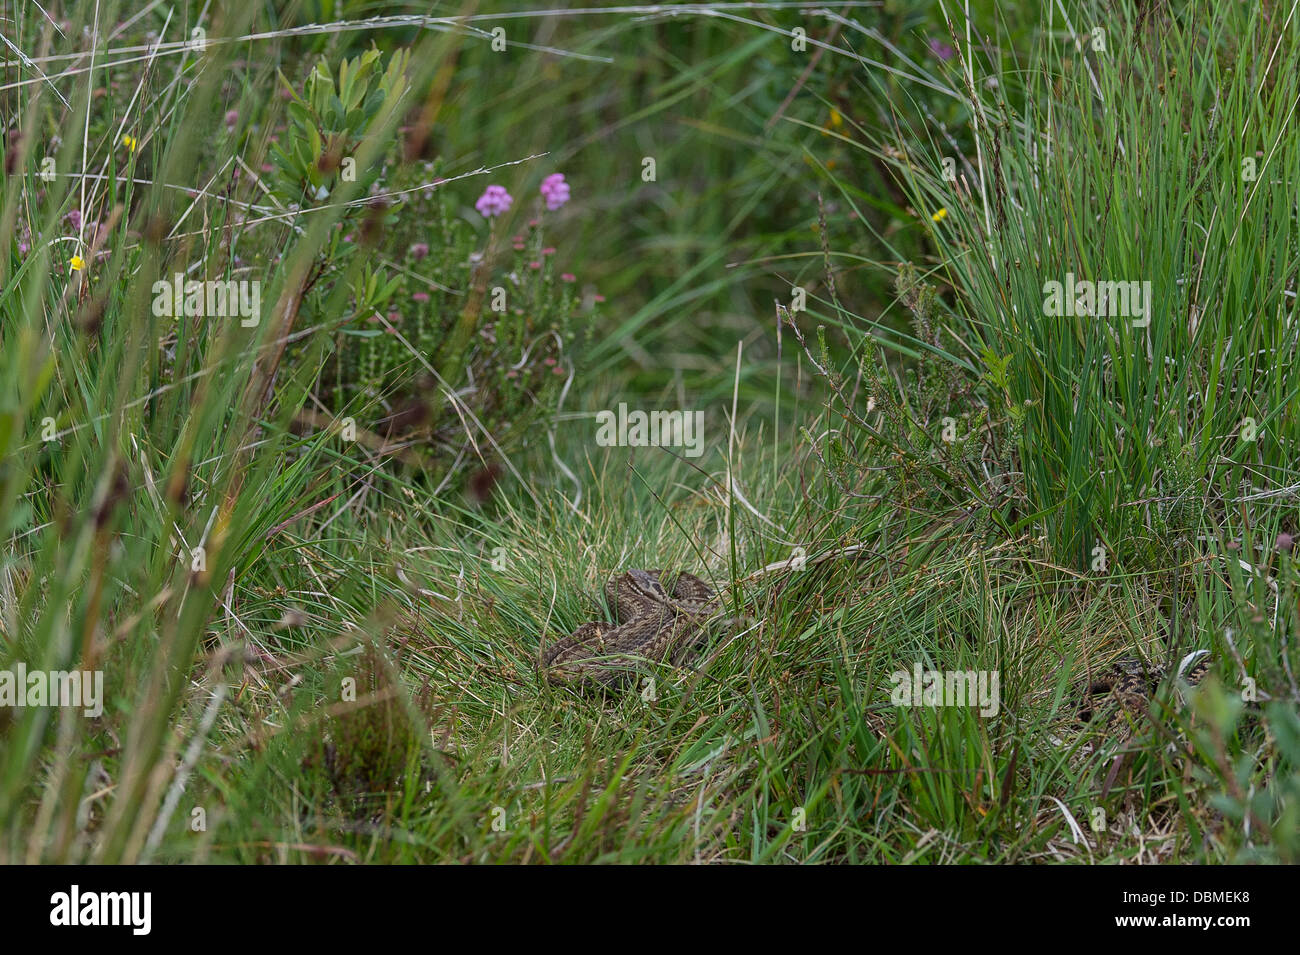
x=598, y=298
x=534, y=223
x=74, y=218
x=1284, y=541
x=942, y=50
x=494, y=201
x=549, y=250
x=568, y=277
x=512, y=373
x=549, y=361
x=534, y=265
x=394, y=316
x=555, y=191
x=419, y=250
x=420, y=297
x=557, y=370
x=232, y=117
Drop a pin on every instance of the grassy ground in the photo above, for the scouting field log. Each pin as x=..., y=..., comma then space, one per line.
x=315, y=559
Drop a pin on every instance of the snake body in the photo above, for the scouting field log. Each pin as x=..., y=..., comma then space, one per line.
x=1118, y=699
x=658, y=615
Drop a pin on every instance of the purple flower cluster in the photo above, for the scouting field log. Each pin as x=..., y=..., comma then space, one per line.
x=494, y=201
x=555, y=191
x=942, y=50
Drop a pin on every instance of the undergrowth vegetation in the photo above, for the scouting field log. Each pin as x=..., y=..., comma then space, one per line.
x=304, y=332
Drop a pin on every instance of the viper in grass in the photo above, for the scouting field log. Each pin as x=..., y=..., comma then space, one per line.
x=1117, y=700
x=658, y=615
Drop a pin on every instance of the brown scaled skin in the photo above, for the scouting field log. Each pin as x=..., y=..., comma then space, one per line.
x=652, y=622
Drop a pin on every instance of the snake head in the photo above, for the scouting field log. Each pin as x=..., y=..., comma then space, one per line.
x=1131, y=666
x=649, y=584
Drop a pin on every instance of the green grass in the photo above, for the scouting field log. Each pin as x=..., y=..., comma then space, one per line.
x=349, y=673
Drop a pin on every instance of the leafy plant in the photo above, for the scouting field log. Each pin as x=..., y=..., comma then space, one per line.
x=329, y=124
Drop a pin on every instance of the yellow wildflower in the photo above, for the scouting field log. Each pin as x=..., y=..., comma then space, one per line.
x=129, y=142
x=939, y=216
x=77, y=263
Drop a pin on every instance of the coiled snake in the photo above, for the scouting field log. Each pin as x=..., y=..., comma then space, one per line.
x=1118, y=699
x=658, y=615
